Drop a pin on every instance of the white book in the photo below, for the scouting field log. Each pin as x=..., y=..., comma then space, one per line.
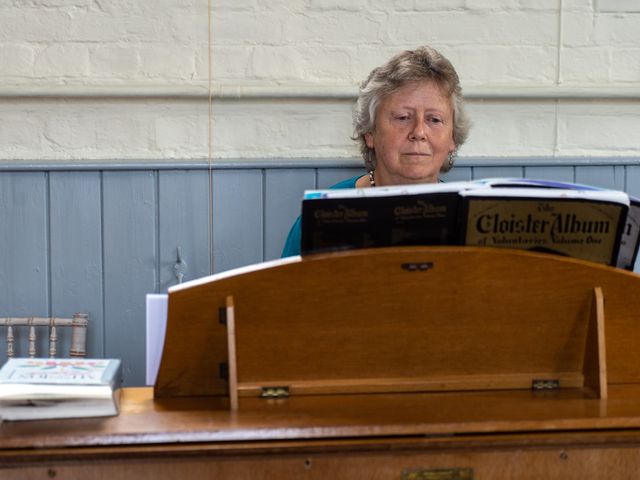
x=45, y=388
x=156, y=313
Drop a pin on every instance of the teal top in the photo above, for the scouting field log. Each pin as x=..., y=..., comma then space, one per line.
x=292, y=245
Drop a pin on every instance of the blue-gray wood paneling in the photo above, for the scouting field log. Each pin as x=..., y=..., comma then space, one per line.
x=605, y=176
x=76, y=253
x=491, y=172
x=183, y=198
x=130, y=265
x=560, y=174
x=238, y=234
x=632, y=185
x=24, y=251
x=458, y=174
x=283, y=195
x=99, y=239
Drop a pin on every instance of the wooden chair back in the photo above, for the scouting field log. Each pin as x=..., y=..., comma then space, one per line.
x=77, y=325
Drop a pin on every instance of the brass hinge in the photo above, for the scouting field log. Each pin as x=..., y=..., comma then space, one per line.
x=545, y=384
x=274, y=392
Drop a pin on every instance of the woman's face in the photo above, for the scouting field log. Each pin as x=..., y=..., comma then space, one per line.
x=413, y=135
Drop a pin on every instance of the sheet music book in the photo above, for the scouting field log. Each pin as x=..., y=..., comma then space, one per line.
x=584, y=223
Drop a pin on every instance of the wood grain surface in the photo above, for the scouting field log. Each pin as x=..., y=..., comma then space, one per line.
x=498, y=434
x=358, y=321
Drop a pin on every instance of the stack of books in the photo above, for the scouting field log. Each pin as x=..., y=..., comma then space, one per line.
x=44, y=388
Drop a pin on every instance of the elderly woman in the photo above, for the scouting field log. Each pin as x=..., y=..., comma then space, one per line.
x=409, y=121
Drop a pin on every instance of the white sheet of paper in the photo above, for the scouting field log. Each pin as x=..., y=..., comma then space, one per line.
x=157, y=304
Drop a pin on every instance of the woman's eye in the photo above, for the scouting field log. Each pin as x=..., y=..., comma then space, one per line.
x=435, y=120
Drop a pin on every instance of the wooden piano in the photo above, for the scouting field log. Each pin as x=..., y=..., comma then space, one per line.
x=393, y=363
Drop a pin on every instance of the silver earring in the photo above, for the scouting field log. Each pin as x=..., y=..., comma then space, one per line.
x=372, y=178
x=450, y=159
x=370, y=160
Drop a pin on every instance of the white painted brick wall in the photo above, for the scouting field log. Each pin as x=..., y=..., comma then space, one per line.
x=104, y=59
x=69, y=59
x=617, y=6
x=611, y=130
x=502, y=128
x=17, y=60
x=318, y=44
x=586, y=65
x=289, y=128
x=625, y=67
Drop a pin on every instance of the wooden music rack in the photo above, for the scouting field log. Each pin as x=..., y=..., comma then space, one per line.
x=399, y=320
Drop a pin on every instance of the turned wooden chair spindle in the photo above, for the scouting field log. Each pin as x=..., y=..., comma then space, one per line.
x=78, y=326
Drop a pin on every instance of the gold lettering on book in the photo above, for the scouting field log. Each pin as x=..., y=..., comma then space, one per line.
x=341, y=214
x=572, y=224
x=573, y=228
x=420, y=209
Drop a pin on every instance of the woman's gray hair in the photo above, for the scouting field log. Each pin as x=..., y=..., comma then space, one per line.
x=422, y=64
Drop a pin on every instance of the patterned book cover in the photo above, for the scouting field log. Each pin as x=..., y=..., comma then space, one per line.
x=59, y=371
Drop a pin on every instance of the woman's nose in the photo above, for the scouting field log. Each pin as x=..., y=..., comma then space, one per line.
x=419, y=132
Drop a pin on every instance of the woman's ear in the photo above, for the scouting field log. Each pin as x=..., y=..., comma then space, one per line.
x=368, y=139
x=452, y=145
